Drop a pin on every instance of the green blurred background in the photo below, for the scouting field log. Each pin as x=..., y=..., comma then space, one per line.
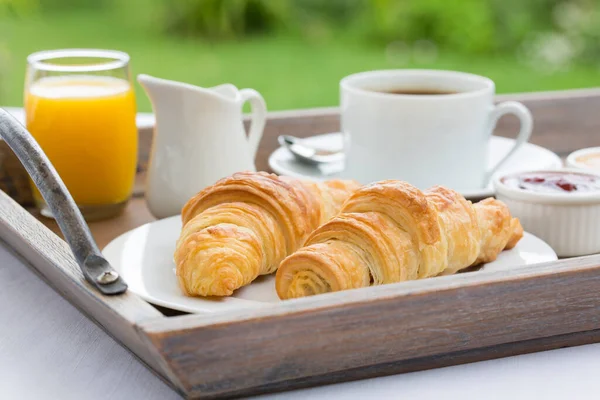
x=295, y=51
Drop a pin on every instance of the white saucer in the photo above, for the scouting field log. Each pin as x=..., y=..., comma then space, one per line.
x=144, y=258
x=529, y=156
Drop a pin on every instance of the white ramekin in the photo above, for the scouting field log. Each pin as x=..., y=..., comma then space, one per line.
x=573, y=163
x=568, y=222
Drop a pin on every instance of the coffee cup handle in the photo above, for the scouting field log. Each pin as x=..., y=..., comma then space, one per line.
x=524, y=116
x=259, y=118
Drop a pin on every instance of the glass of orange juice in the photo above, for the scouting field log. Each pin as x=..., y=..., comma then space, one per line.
x=80, y=107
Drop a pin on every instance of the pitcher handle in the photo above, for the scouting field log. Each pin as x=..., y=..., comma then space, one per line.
x=259, y=118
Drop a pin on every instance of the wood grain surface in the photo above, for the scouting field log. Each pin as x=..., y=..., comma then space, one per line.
x=135, y=214
x=383, y=329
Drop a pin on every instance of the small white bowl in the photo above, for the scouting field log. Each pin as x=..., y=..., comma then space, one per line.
x=568, y=222
x=572, y=161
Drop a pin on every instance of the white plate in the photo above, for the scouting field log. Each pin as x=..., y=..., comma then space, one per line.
x=529, y=156
x=144, y=258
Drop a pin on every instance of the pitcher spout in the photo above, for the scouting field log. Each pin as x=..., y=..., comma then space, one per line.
x=160, y=88
x=154, y=87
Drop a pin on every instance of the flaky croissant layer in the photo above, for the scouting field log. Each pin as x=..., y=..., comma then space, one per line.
x=389, y=232
x=244, y=225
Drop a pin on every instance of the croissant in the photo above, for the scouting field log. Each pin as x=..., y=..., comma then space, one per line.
x=244, y=225
x=390, y=231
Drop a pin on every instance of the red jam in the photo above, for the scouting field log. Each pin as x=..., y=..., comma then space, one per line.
x=554, y=182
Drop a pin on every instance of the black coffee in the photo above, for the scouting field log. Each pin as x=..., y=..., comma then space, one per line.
x=417, y=92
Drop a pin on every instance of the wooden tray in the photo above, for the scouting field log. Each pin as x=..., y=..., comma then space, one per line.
x=346, y=335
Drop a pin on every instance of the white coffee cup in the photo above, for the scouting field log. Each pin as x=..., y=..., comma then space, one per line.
x=425, y=139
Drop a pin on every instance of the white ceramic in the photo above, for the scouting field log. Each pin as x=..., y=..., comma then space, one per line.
x=144, y=258
x=573, y=160
x=569, y=222
x=529, y=156
x=423, y=139
x=199, y=138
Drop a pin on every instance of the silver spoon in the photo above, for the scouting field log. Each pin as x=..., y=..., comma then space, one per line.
x=308, y=154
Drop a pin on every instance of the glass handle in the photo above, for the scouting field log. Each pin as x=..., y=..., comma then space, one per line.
x=93, y=265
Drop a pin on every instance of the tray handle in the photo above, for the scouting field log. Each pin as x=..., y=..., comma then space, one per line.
x=93, y=265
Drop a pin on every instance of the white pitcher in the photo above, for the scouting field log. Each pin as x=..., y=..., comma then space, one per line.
x=199, y=137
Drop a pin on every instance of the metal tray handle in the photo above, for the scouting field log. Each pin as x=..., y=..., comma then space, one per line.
x=94, y=266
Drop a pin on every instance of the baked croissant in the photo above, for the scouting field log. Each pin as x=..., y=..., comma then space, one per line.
x=244, y=225
x=390, y=231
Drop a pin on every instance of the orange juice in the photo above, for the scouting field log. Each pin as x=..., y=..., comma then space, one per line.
x=86, y=126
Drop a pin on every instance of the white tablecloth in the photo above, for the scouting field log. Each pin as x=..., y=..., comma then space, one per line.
x=49, y=350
